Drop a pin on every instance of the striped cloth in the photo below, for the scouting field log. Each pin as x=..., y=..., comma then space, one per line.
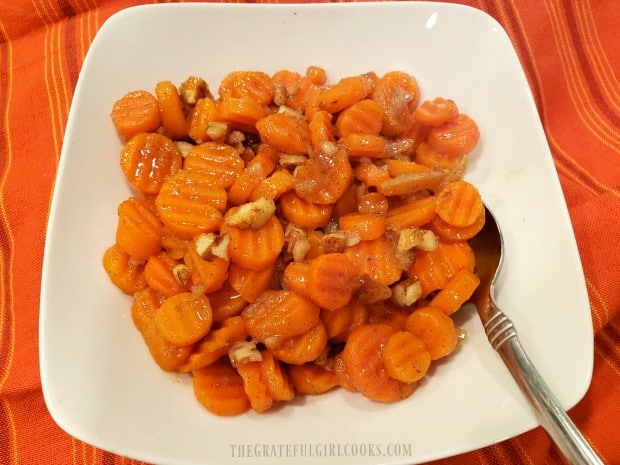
x=570, y=50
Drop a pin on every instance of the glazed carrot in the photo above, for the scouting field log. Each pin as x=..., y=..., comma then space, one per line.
x=316, y=75
x=255, y=249
x=412, y=214
x=125, y=273
x=427, y=156
x=455, y=138
x=405, y=357
x=362, y=356
x=286, y=133
x=436, y=112
x=226, y=303
x=220, y=163
x=331, y=280
x=274, y=186
x=277, y=315
x=321, y=129
x=255, y=386
x=311, y=379
x=303, y=213
x=311, y=103
x=370, y=174
x=338, y=323
x=397, y=167
x=364, y=145
x=171, y=110
x=255, y=172
x=376, y=258
x=240, y=113
x=456, y=292
x=203, y=114
x=372, y=203
x=148, y=159
x=295, y=277
x=276, y=379
x=254, y=85
x=344, y=93
x=216, y=344
x=220, y=389
x=166, y=275
x=207, y=275
x=250, y=283
x=138, y=231
x=435, y=328
x=168, y=356
x=184, y=318
x=412, y=183
x=189, y=205
x=368, y=226
x=287, y=80
x=303, y=348
x=459, y=204
x=301, y=94
x=363, y=117
x=388, y=313
x=397, y=93
x=135, y=112
x=433, y=269
x=449, y=233
x=172, y=244
x=348, y=201
x=339, y=368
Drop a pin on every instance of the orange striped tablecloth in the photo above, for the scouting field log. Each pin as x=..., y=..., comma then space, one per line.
x=570, y=50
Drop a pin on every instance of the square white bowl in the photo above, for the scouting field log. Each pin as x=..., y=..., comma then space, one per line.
x=99, y=381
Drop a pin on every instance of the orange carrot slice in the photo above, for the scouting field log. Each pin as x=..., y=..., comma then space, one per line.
x=135, y=112
x=435, y=328
x=184, y=318
x=405, y=357
x=459, y=204
x=220, y=389
x=456, y=292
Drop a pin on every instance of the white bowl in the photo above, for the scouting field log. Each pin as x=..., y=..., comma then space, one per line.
x=99, y=381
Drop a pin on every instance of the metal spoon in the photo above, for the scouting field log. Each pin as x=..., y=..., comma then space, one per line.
x=488, y=247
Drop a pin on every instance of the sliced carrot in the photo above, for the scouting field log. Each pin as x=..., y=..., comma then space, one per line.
x=171, y=110
x=255, y=172
x=276, y=378
x=304, y=214
x=274, y=186
x=316, y=75
x=321, y=129
x=255, y=249
x=124, y=272
x=338, y=323
x=331, y=280
x=412, y=214
x=449, y=233
x=370, y=174
x=456, y=138
x=344, y=93
x=311, y=379
x=364, y=145
x=241, y=113
x=459, y=204
x=396, y=167
x=184, y=318
x=456, y=292
x=159, y=273
x=254, y=85
x=406, y=357
x=255, y=386
x=398, y=94
x=220, y=389
x=295, y=277
x=148, y=159
x=135, y=112
x=288, y=82
x=435, y=328
x=226, y=303
x=220, y=163
x=363, y=117
x=368, y=226
x=303, y=348
x=139, y=230
x=377, y=259
x=433, y=269
x=286, y=133
x=250, y=283
x=412, y=183
x=436, y=112
x=372, y=203
x=174, y=245
x=203, y=114
x=277, y=315
x=387, y=313
x=206, y=275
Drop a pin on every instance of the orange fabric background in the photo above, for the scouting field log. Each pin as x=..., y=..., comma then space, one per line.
x=570, y=50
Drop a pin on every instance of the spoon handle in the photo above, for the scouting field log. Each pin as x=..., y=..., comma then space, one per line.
x=503, y=337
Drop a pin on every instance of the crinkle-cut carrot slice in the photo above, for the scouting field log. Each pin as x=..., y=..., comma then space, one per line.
x=219, y=388
x=274, y=186
x=331, y=280
x=388, y=313
x=279, y=314
x=344, y=93
x=304, y=214
x=433, y=269
x=362, y=356
x=275, y=377
x=204, y=113
x=220, y=163
x=406, y=357
x=255, y=249
x=436, y=112
x=456, y=292
x=339, y=368
x=459, y=204
x=124, y=272
x=321, y=129
x=377, y=259
x=449, y=233
x=226, y=303
x=396, y=167
x=135, y=112
x=316, y=74
x=184, y=318
x=139, y=230
x=240, y=113
x=427, y=156
x=412, y=214
x=368, y=226
x=325, y=176
x=148, y=159
x=289, y=134
x=372, y=203
x=255, y=85
x=250, y=283
x=435, y=328
x=174, y=245
x=255, y=172
x=255, y=386
x=216, y=344
x=398, y=94
x=168, y=356
x=370, y=174
x=364, y=146
x=455, y=138
x=161, y=274
x=302, y=348
x=188, y=204
x=311, y=379
x=171, y=110
x=363, y=117
x=338, y=323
